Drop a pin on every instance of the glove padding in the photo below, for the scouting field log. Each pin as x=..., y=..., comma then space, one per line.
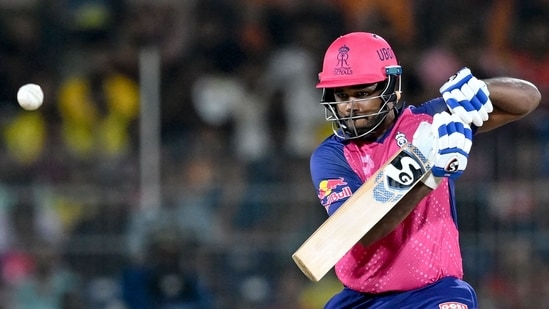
x=467, y=97
x=452, y=145
x=424, y=140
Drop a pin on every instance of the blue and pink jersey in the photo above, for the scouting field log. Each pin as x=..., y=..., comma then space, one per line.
x=421, y=250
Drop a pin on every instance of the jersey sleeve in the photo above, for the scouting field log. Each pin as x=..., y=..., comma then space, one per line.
x=332, y=176
x=430, y=107
x=435, y=106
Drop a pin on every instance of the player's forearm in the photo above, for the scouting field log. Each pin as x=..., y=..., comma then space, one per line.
x=396, y=215
x=512, y=99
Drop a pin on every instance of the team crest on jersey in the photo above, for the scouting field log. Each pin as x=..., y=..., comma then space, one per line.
x=401, y=139
x=452, y=305
x=367, y=165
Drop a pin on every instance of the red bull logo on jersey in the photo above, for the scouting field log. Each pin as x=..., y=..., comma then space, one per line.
x=332, y=190
x=453, y=305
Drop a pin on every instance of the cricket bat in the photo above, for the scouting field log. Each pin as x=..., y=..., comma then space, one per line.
x=366, y=207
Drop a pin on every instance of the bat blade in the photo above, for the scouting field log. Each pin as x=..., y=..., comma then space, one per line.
x=362, y=211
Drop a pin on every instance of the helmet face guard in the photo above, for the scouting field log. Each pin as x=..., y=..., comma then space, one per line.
x=344, y=126
x=354, y=59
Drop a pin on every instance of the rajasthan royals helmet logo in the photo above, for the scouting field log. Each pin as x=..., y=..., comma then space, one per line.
x=342, y=56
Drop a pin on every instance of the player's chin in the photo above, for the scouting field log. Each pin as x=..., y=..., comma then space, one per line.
x=360, y=124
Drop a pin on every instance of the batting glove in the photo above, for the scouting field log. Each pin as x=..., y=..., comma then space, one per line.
x=424, y=138
x=452, y=146
x=467, y=97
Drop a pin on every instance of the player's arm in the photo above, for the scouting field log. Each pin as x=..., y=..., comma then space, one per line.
x=489, y=103
x=512, y=99
x=396, y=215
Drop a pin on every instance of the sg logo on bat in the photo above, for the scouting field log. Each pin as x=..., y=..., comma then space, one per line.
x=405, y=170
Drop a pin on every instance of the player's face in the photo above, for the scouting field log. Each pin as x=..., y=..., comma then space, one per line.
x=361, y=105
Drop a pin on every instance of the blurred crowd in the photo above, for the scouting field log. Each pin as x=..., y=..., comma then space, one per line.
x=239, y=116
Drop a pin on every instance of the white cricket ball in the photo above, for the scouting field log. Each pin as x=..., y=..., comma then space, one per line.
x=30, y=96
